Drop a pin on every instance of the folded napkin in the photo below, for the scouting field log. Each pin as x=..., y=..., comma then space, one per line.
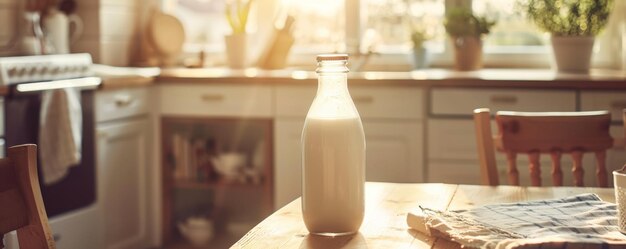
x=582, y=221
x=60, y=133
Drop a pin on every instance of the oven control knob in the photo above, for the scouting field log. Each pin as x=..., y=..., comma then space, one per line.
x=12, y=71
x=21, y=71
x=32, y=71
x=54, y=70
x=43, y=69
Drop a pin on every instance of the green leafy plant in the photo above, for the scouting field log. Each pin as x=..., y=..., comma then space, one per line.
x=418, y=37
x=461, y=22
x=237, y=15
x=569, y=17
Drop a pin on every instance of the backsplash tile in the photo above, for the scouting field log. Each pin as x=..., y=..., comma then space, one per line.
x=8, y=23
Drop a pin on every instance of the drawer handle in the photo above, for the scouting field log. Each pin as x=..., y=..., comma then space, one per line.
x=363, y=99
x=212, y=97
x=618, y=104
x=122, y=101
x=503, y=99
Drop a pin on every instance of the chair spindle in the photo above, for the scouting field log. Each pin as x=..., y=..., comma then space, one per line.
x=557, y=173
x=535, y=168
x=511, y=159
x=577, y=168
x=601, y=173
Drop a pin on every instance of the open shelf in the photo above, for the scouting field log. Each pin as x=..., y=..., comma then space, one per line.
x=220, y=240
x=191, y=184
x=194, y=185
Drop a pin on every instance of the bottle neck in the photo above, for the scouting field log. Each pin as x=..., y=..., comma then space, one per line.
x=332, y=84
x=332, y=78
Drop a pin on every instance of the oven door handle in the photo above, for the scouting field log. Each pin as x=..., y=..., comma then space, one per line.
x=84, y=83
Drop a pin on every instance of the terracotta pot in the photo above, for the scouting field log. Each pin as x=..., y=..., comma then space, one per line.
x=468, y=53
x=572, y=53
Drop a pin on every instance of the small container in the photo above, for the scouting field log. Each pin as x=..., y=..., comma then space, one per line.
x=333, y=154
x=197, y=230
x=619, y=181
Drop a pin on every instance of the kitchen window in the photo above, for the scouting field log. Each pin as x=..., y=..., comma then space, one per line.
x=381, y=28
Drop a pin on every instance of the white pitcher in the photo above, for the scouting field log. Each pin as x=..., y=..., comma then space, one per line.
x=57, y=28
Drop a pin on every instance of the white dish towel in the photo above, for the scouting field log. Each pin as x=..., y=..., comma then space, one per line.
x=60, y=133
x=582, y=221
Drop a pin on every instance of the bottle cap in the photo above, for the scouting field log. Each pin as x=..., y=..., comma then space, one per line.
x=332, y=57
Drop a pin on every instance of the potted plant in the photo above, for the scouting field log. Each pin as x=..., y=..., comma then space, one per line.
x=573, y=26
x=237, y=13
x=420, y=54
x=466, y=31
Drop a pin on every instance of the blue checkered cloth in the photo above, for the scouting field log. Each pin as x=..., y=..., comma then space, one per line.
x=582, y=221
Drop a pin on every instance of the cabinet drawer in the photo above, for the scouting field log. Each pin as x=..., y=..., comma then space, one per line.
x=122, y=103
x=464, y=101
x=216, y=100
x=371, y=102
x=614, y=102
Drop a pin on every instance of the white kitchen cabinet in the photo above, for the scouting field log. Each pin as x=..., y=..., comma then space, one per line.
x=123, y=161
x=613, y=101
x=451, y=139
x=392, y=120
x=224, y=100
x=394, y=151
x=453, y=157
x=124, y=168
x=394, y=154
x=287, y=160
x=463, y=101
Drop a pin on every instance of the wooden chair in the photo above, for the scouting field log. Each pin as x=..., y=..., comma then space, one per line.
x=534, y=133
x=21, y=205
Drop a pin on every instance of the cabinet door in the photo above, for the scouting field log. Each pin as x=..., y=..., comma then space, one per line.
x=393, y=154
x=287, y=161
x=122, y=162
x=394, y=151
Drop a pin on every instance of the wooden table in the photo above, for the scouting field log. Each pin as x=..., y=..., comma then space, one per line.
x=386, y=208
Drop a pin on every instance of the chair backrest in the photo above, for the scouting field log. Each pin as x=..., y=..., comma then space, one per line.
x=534, y=133
x=21, y=205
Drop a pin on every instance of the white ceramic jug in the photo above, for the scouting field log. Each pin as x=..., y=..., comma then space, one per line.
x=57, y=28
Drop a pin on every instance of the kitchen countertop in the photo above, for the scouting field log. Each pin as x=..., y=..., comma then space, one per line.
x=531, y=78
x=122, y=77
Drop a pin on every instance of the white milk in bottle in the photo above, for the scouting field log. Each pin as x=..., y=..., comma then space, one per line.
x=333, y=155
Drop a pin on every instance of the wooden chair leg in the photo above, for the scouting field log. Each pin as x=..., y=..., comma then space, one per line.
x=513, y=174
x=577, y=168
x=535, y=168
x=601, y=174
x=557, y=173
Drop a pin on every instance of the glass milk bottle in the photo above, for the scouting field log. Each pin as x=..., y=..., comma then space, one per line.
x=333, y=154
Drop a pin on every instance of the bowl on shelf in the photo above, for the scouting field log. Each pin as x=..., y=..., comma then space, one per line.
x=229, y=164
x=197, y=230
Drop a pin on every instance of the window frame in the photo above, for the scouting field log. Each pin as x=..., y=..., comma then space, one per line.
x=493, y=57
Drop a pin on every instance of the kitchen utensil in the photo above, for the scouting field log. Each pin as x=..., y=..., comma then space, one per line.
x=197, y=230
x=57, y=26
x=275, y=54
x=167, y=35
x=229, y=164
x=33, y=40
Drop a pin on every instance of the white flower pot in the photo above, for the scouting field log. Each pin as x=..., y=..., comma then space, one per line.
x=572, y=53
x=420, y=58
x=236, y=52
